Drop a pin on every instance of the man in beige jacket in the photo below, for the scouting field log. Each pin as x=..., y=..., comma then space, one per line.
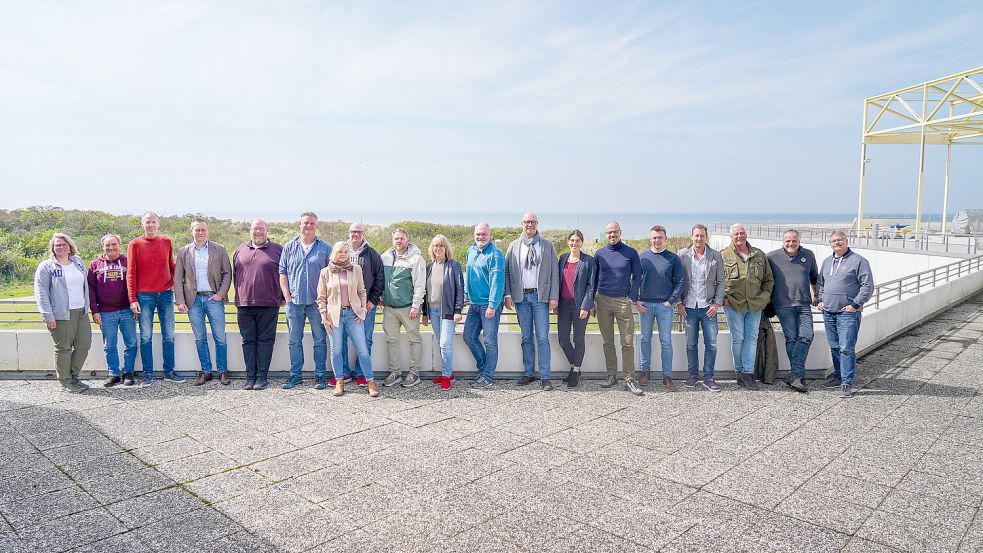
x=202, y=276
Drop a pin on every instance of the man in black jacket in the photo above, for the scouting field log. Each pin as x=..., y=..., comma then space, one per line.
x=371, y=263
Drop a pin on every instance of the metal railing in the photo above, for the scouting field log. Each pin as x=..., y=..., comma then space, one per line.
x=896, y=289
x=887, y=238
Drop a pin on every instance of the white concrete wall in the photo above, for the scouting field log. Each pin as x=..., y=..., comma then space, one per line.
x=886, y=265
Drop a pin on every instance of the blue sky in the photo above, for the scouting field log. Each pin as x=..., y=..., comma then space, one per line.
x=191, y=106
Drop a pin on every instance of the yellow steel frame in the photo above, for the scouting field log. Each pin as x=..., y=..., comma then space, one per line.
x=945, y=111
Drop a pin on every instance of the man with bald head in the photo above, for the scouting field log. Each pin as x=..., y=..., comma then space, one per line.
x=150, y=284
x=256, y=274
x=748, y=282
x=484, y=290
x=363, y=255
x=619, y=276
x=532, y=289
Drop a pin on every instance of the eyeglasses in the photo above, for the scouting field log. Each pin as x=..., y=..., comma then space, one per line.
x=356, y=232
x=530, y=222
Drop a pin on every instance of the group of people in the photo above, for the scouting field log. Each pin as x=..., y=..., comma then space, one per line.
x=337, y=290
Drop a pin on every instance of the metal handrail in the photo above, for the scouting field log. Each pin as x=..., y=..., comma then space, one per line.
x=920, y=241
x=883, y=292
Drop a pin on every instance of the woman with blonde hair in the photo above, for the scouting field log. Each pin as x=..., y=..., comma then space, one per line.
x=341, y=300
x=62, y=291
x=443, y=303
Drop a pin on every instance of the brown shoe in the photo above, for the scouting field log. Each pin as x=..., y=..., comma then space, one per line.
x=645, y=378
x=203, y=378
x=224, y=379
x=667, y=382
x=339, y=388
x=373, y=389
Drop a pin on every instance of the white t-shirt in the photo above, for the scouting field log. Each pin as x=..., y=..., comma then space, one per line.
x=75, y=281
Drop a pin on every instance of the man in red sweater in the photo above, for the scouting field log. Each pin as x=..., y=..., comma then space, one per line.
x=150, y=283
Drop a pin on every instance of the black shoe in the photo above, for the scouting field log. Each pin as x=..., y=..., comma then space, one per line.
x=112, y=381
x=611, y=380
x=832, y=383
x=797, y=385
x=547, y=385
x=127, y=379
x=261, y=384
x=573, y=379
x=525, y=380
x=250, y=384
x=173, y=377
x=566, y=379
x=747, y=380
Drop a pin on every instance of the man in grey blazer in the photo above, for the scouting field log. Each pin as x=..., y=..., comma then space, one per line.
x=703, y=294
x=532, y=289
x=202, y=276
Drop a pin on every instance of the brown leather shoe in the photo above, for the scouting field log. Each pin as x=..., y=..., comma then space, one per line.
x=224, y=379
x=203, y=378
x=339, y=388
x=645, y=378
x=667, y=382
x=373, y=389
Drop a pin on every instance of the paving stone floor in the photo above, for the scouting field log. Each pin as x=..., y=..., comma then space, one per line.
x=221, y=469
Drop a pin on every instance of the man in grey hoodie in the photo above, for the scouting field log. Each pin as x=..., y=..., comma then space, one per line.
x=844, y=286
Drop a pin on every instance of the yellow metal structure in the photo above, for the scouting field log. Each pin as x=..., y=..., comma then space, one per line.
x=945, y=111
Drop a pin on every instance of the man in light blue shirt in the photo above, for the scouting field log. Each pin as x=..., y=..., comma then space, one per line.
x=300, y=267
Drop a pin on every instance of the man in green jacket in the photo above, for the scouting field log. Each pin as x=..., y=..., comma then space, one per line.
x=747, y=290
x=405, y=274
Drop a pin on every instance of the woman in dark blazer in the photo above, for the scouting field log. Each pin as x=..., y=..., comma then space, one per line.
x=578, y=275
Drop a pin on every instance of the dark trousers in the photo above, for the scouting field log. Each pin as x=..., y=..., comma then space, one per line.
x=766, y=361
x=257, y=325
x=567, y=315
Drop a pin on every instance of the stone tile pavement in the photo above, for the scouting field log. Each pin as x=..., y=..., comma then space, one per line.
x=179, y=468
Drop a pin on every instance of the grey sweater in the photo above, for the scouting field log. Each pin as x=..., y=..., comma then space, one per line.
x=845, y=281
x=51, y=290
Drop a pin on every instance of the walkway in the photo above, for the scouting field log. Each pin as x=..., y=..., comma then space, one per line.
x=178, y=468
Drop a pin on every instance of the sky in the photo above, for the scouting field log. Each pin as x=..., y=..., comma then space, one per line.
x=552, y=106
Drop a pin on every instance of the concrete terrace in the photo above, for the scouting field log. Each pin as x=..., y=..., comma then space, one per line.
x=179, y=468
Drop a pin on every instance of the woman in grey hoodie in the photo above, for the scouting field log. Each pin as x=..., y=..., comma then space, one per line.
x=62, y=293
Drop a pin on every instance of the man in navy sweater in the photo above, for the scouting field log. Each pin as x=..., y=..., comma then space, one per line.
x=663, y=279
x=619, y=274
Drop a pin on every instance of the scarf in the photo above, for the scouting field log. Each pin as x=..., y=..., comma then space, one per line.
x=532, y=254
x=355, y=255
x=336, y=268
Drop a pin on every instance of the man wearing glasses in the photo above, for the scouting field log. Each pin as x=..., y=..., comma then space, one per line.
x=532, y=289
x=371, y=263
x=845, y=284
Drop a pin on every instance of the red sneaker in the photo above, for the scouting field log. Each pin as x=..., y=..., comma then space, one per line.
x=445, y=382
x=361, y=381
x=440, y=378
x=332, y=381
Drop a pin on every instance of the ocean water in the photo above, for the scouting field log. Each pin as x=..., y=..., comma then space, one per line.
x=633, y=225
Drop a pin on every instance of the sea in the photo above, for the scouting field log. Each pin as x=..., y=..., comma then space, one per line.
x=633, y=225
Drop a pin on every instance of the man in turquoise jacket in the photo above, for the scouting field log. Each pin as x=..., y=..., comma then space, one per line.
x=484, y=289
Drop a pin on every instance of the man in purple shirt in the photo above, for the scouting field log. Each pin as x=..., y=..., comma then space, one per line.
x=110, y=306
x=256, y=276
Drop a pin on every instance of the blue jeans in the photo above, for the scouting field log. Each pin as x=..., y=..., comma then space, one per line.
x=697, y=318
x=744, y=337
x=661, y=315
x=368, y=328
x=797, y=327
x=534, y=315
x=113, y=324
x=443, y=330
x=215, y=311
x=483, y=348
x=296, y=316
x=345, y=329
x=163, y=304
x=841, y=334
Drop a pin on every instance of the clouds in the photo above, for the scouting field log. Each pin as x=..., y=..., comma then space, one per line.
x=384, y=94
